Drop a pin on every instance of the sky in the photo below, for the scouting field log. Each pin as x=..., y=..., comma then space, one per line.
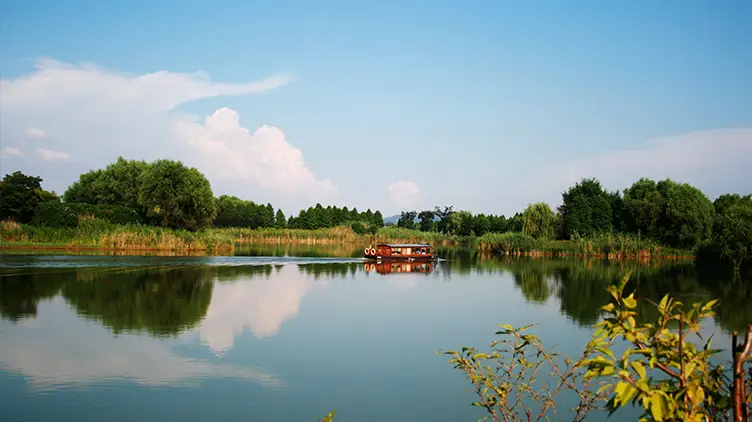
x=483, y=105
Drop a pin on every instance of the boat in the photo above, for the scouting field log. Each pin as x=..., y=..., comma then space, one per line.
x=400, y=252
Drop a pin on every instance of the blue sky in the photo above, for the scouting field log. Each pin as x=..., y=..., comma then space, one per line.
x=483, y=105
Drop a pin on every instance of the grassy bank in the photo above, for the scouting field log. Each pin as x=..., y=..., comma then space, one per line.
x=611, y=246
x=92, y=234
x=103, y=236
x=96, y=234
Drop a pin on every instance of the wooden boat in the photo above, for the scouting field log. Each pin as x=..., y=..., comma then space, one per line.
x=400, y=252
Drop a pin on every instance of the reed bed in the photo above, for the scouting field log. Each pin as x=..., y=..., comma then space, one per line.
x=612, y=246
x=98, y=234
x=335, y=235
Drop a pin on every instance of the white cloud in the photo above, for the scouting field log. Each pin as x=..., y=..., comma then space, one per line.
x=256, y=304
x=404, y=194
x=11, y=152
x=35, y=133
x=264, y=157
x=97, y=115
x=51, y=155
x=715, y=161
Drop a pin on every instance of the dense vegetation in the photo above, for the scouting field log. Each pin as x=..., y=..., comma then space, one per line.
x=663, y=218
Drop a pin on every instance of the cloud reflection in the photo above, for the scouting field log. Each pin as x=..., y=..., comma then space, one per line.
x=257, y=304
x=61, y=350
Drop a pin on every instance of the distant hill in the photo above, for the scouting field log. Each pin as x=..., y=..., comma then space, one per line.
x=393, y=219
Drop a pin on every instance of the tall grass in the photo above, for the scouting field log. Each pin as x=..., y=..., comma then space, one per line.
x=605, y=245
x=335, y=235
x=93, y=233
x=96, y=233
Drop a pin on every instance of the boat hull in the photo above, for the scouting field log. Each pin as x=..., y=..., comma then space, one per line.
x=403, y=258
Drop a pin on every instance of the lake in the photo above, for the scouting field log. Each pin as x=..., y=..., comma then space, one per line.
x=288, y=334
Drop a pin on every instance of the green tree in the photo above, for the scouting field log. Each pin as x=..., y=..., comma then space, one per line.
x=426, y=223
x=378, y=219
x=117, y=184
x=179, y=195
x=539, y=221
x=643, y=206
x=280, y=221
x=407, y=219
x=442, y=226
x=732, y=230
x=481, y=224
x=586, y=209
x=687, y=217
x=460, y=223
x=19, y=196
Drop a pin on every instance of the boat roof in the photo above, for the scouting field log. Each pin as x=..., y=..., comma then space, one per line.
x=406, y=245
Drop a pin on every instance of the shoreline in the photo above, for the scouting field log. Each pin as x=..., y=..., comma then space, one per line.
x=228, y=251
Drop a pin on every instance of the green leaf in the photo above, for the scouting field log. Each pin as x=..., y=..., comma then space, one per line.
x=630, y=301
x=639, y=368
x=658, y=406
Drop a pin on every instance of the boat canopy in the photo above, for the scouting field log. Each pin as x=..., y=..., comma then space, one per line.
x=406, y=245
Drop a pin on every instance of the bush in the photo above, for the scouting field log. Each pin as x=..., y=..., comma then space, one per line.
x=61, y=214
x=358, y=228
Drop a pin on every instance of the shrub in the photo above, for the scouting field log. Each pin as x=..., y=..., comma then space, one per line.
x=61, y=214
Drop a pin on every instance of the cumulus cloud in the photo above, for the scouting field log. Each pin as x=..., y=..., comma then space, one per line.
x=11, y=152
x=35, y=133
x=263, y=157
x=51, y=155
x=404, y=194
x=98, y=114
x=257, y=304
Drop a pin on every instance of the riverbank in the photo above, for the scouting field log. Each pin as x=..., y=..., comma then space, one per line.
x=223, y=241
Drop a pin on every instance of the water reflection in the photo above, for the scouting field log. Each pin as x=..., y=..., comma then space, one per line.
x=183, y=324
x=398, y=267
x=252, y=301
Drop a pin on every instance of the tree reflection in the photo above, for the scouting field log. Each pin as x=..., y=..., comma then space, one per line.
x=159, y=302
x=20, y=294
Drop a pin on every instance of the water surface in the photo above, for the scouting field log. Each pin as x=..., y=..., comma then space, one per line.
x=274, y=337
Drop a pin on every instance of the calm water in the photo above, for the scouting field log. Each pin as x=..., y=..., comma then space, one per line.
x=285, y=338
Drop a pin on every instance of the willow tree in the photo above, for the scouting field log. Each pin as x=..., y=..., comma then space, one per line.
x=117, y=184
x=539, y=221
x=178, y=195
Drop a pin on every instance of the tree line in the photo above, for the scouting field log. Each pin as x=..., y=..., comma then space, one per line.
x=672, y=214
x=161, y=193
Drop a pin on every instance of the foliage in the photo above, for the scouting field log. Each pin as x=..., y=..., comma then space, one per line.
x=117, y=184
x=687, y=217
x=690, y=386
x=539, y=221
x=63, y=214
x=660, y=370
x=178, y=195
x=358, y=228
x=510, y=390
x=732, y=231
x=235, y=212
x=279, y=219
x=329, y=417
x=407, y=220
x=426, y=220
x=643, y=206
x=19, y=196
x=586, y=209
x=318, y=217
